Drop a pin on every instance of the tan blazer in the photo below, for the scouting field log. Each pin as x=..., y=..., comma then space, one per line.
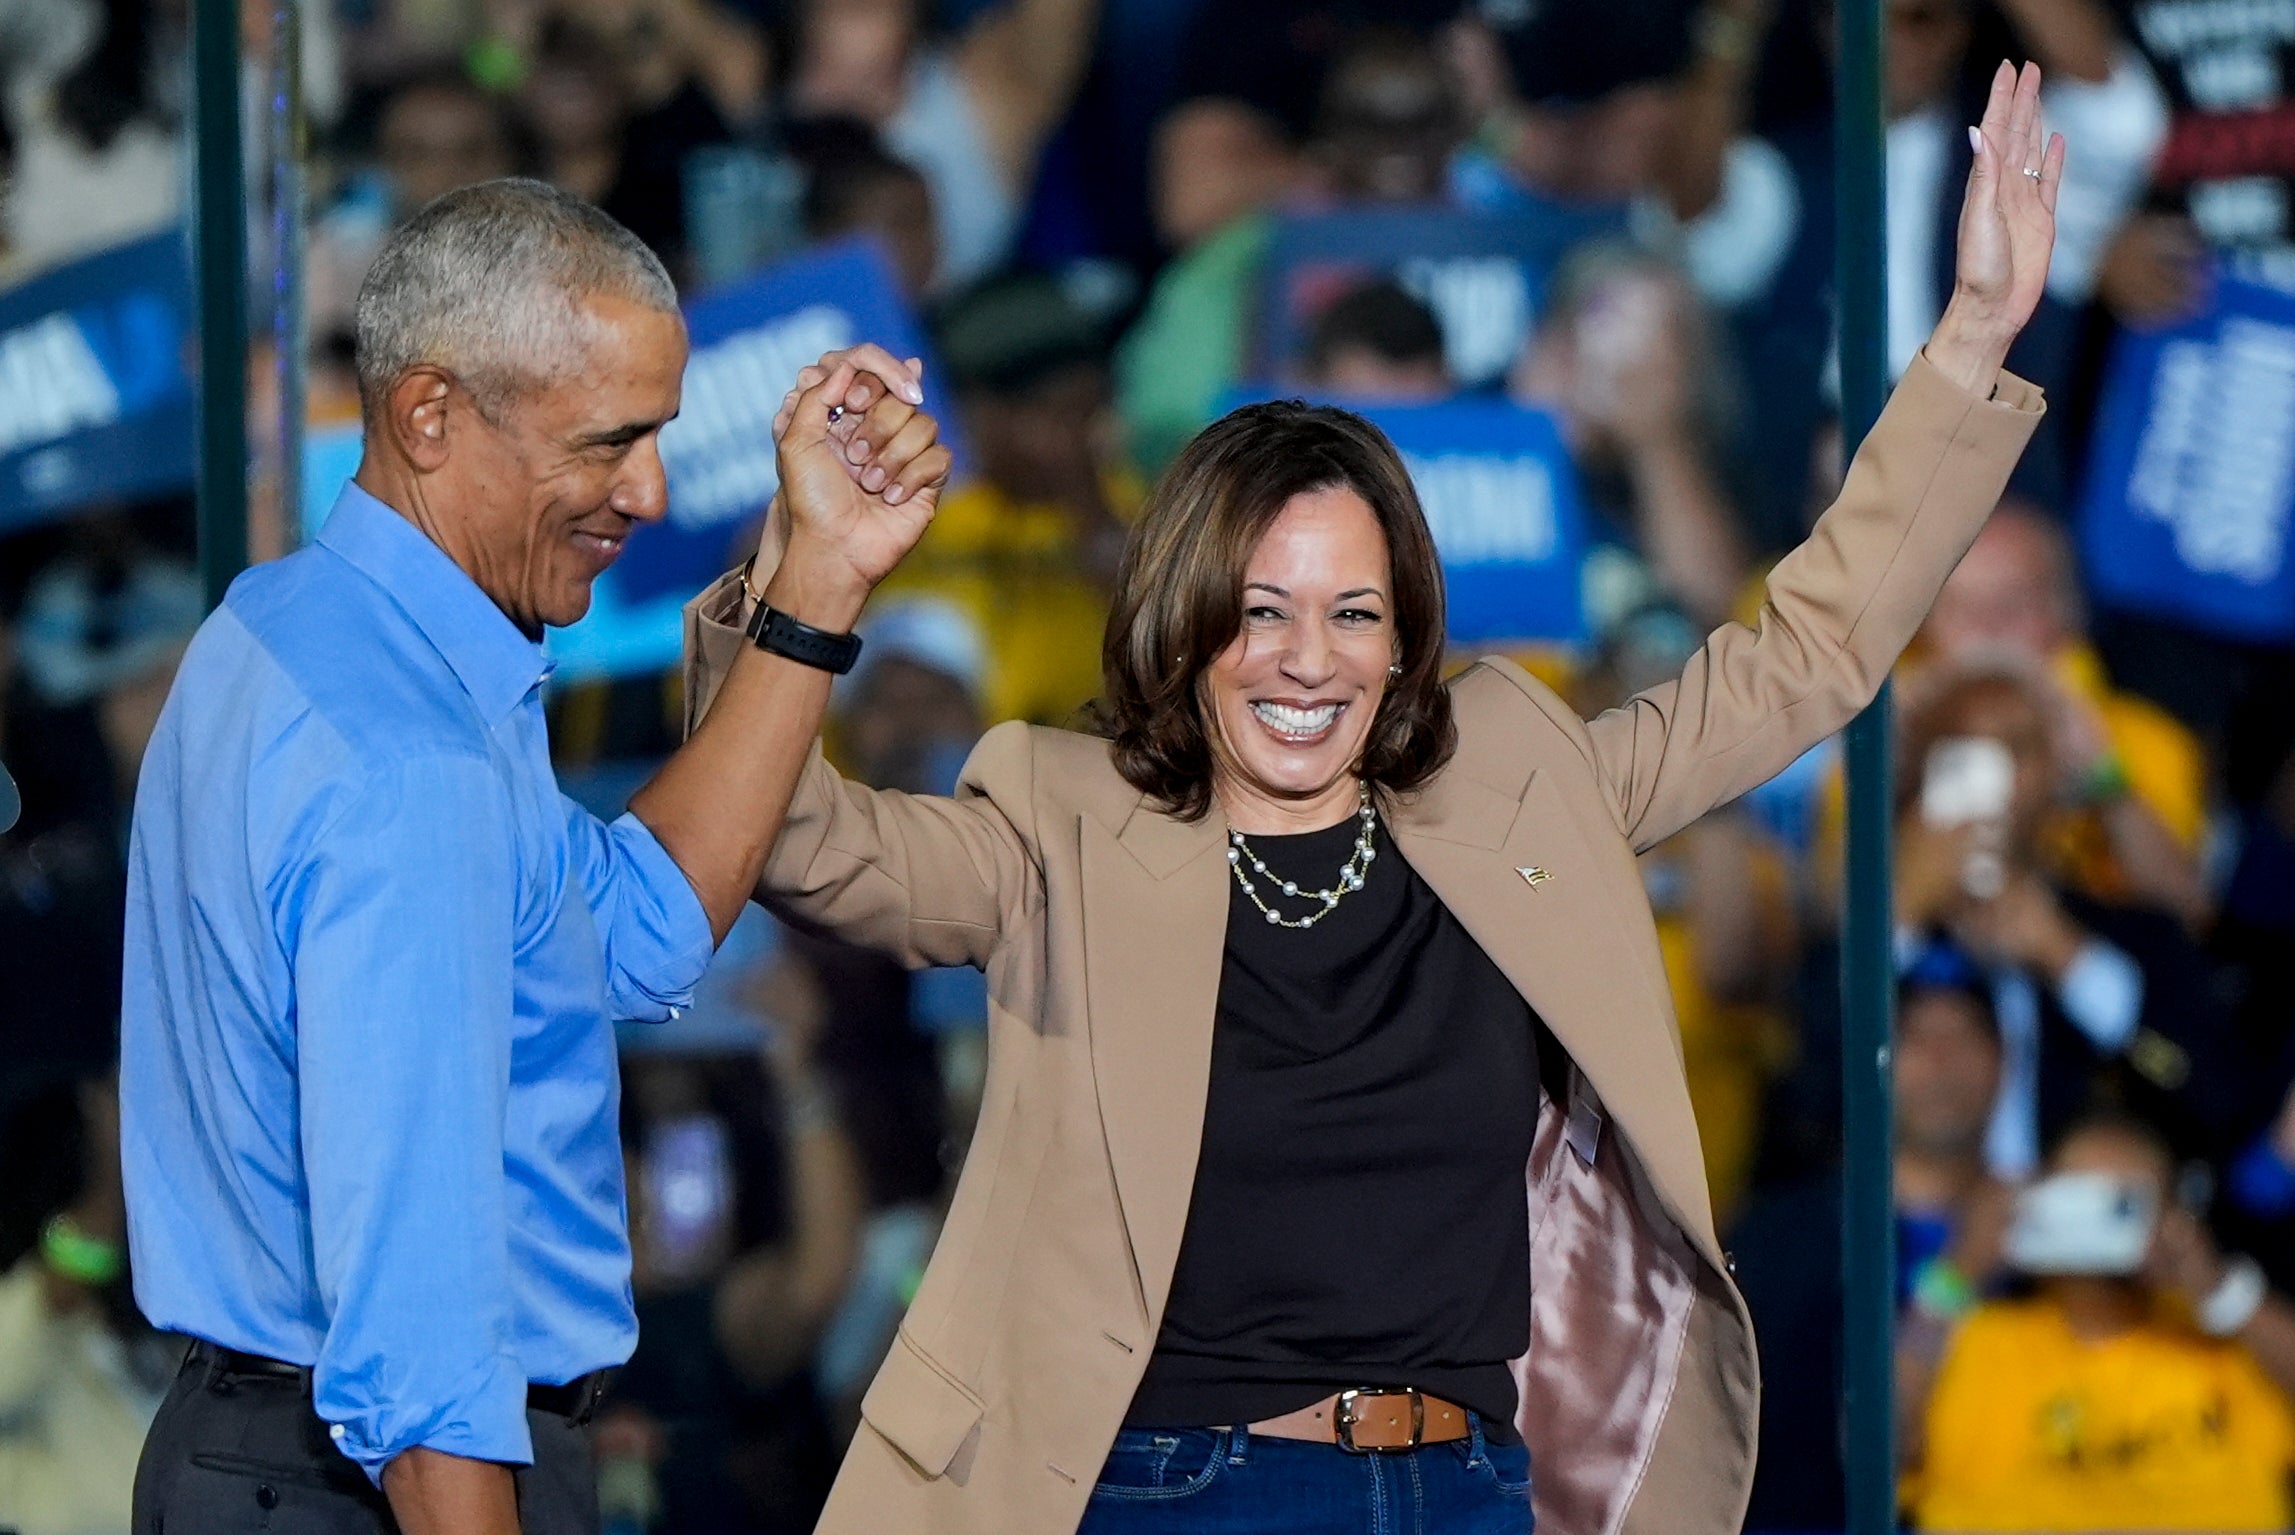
x=1100, y=921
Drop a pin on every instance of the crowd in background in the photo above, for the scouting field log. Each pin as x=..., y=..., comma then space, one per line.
x=2094, y=874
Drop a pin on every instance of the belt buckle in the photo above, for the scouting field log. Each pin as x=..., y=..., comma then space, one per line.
x=1343, y=1419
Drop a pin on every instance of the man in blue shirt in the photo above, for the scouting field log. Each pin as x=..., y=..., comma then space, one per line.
x=374, y=957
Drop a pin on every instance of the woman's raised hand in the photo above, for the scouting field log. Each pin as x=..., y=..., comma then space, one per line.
x=2007, y=230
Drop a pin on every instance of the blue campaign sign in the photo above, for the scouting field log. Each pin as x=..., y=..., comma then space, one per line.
x=95, y=383
x=748, y=341
x=1482, y=271
x=2190, y=499
x=1502, y=498
x=1509, y=520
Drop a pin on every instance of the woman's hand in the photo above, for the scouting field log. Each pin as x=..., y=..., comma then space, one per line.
x=857, y=489
x=2007, y=230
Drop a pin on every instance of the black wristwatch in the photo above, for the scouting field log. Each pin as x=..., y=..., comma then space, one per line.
x=773, y=630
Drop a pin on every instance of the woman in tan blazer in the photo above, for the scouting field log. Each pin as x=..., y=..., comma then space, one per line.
x=1211, y=1266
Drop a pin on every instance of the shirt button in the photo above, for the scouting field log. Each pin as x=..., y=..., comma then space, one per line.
x=676, y=1013
x=335, y=1431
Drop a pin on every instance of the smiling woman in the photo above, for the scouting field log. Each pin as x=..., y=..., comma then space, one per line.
x=1337, y=1161
x=1284, y=574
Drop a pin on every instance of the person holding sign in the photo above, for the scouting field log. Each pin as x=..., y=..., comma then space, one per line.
x=1298, y=969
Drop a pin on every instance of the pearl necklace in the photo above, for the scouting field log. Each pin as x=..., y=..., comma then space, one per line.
x=1350, y=876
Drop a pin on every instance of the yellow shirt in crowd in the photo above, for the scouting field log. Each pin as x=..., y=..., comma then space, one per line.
x=1017, y=572
x=2032, y=1428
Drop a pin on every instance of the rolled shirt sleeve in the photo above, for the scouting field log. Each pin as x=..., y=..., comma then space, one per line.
x=653, y=926
x=403, y=961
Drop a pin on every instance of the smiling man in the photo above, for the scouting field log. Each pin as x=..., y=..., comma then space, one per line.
x=374, y=957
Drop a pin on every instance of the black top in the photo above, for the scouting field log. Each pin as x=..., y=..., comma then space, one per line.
x=1359, y=1216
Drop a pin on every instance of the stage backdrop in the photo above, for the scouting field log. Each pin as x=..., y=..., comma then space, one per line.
x=2191, y=484
x=95, y=382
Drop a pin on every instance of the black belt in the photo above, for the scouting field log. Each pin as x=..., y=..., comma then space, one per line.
x=576, y=1400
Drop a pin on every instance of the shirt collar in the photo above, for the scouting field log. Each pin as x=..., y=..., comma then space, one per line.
x=496, y=664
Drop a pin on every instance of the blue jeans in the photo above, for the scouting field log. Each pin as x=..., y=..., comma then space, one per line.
x=1226, y=1481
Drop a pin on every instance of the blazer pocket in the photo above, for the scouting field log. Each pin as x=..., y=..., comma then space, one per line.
x=926, y=1412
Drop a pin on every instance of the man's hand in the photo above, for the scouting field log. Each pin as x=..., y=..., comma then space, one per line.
x=433, y=1493
x=857, y=489
x=2007, y=231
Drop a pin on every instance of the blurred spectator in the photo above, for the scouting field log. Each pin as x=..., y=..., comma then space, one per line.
x=1952, y=1214
x=95, y=637
x=435, y=131
x=1388, y=122
x=2142, y=1386
x=853, y=185
x=1725, y=926
x=1638, y=105
x=2091, y=997
x=2220, y=186
x=2135, y=782
x=1377, y=342
x=94, y=101
x=80, y=1372
x=900, y=1047
x=1625, y=357
x=1951, y=1217
x=746, y=1200
x=1026, y=545
x=972, y=115
x=575, y=102
x=1385, y=120
x=2099, y=94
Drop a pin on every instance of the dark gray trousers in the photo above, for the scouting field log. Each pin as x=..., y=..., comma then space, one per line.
x=236, y=1454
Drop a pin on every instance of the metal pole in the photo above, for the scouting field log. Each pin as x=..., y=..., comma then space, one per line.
x=219, y=230
x=1868, y=972
x=284, y=136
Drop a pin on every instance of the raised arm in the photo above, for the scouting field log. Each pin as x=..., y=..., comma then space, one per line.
x=1021, y=63
x=1841, y=607
x=858, y=491
x=926, y=879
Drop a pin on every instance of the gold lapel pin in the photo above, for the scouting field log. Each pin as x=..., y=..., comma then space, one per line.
x=1533, y=876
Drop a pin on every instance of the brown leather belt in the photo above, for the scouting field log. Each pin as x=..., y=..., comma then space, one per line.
x=1372, y=1418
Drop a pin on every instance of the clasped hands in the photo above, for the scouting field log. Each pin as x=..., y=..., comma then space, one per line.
x=862, y=469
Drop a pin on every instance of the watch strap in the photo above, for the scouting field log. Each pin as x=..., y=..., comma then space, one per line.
x=773, y=630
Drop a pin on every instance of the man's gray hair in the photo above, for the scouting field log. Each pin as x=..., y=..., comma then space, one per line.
x=487, y=282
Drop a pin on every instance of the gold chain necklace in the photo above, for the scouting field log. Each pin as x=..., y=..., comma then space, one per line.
x=1351, y=875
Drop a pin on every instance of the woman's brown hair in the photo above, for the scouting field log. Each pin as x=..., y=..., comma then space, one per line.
x=1179, y=595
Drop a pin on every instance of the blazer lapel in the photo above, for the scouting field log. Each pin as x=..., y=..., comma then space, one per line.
x=1525, y=884
x=1155, y=933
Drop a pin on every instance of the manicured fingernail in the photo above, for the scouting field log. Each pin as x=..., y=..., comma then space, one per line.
x=1976, y=140
x=895, y=494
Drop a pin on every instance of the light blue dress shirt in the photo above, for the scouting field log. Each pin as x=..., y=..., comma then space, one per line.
x=368, y=1092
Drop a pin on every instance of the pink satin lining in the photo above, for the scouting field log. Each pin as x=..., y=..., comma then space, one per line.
x=1612, y=1283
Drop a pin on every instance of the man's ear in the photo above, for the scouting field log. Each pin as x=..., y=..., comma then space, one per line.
x=420, y=414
